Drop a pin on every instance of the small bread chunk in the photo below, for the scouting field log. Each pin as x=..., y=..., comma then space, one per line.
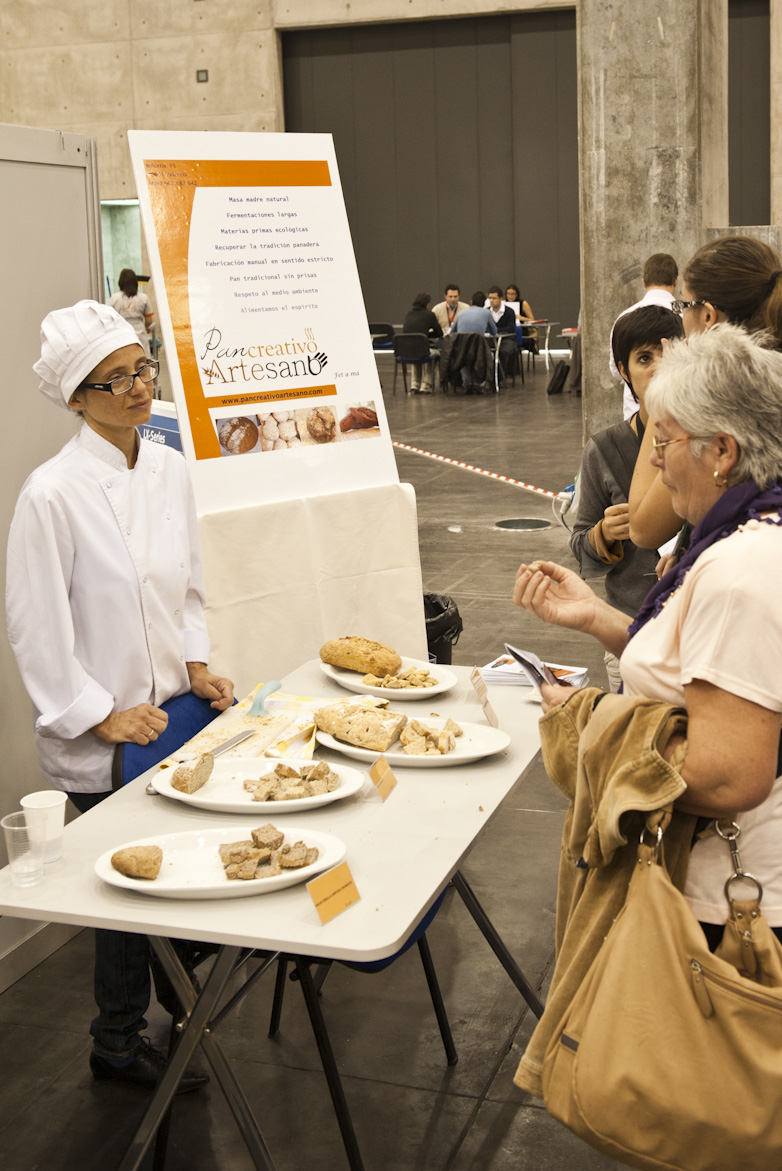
x=243, y=870
x=446, y=742
x=290, y=791
x=284, y=770
x=361, y=654
x=297, y=855
x=318, y=786
x=263, y=790
x=452, y=727
x=366, y=727
x=268, y=837
x=238, y=851
x=417, y=746
x=189, y=778
x=271, y=868
x=314, y=772
x=138, y=861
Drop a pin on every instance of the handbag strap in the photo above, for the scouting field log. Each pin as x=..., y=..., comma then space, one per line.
x=730, y=832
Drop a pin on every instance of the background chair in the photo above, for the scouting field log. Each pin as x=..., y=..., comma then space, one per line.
x=412, y=349
x=311, y=986
x=386, y=335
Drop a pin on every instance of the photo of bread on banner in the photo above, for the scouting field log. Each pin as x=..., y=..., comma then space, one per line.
x=238, y=436
x=317, y=426
x=360, y=422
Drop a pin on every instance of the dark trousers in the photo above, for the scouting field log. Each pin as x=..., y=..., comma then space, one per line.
x=122, y=977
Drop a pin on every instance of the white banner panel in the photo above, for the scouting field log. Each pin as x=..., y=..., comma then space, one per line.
x=262, y=314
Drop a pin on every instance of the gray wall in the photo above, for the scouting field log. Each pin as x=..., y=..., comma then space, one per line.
x=458, y=152
x=749, y=103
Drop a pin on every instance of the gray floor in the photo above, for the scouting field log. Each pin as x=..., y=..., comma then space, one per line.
x=411, y=1112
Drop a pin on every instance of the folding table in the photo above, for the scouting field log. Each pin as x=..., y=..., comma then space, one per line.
x=401, y=854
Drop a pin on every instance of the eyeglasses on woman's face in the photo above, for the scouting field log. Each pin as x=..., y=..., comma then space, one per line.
x=660, y=445
x=124, y=382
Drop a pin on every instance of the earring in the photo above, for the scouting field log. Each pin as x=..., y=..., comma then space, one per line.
x=719, y=480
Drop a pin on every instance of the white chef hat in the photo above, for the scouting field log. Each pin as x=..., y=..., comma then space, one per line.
x=74, y=341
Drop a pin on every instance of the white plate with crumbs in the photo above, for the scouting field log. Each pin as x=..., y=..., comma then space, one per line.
x=192, y=868
x=224, y=792
x=351, y=681
x=476, y=742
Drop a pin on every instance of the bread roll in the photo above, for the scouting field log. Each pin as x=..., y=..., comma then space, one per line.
x=366, y=727
x=138, y=861
x=189, y=778
x=361, y=654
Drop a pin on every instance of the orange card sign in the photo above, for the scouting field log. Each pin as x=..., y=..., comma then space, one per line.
x=333, y=892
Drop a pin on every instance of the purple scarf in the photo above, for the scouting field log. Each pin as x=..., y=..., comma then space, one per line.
x=739, y=504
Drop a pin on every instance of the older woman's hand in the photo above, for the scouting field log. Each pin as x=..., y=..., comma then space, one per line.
x=555, y=695
x=555, y=595
x=136, y=725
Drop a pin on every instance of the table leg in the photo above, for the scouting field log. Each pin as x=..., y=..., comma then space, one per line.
x=329, y=1064
x=196, y=1030
x=496, y=943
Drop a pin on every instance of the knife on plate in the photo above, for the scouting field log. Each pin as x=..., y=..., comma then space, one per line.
x=224, y=747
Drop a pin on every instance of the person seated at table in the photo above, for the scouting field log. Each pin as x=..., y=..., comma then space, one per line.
x=421, y=319
x=447, y=311
x=524, y=314
x=475, y=319
x=105, y=605
x=600, y=539
x=504, y=318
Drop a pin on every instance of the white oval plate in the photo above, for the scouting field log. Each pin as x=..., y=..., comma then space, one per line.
x=476, y=741
x=351, y=681
x=192, y=868
x=223, y=792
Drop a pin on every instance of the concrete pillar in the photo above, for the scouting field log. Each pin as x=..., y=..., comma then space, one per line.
x=653, y=142
x=775, y=144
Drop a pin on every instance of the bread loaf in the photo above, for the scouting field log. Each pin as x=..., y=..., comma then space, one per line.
x=366, y=727
x=189, y=778
x=361, y=654
x=138, y=861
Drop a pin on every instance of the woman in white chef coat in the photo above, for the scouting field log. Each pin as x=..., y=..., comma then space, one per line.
x=105, y=599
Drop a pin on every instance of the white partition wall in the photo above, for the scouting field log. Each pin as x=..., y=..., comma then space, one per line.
x=49, y=257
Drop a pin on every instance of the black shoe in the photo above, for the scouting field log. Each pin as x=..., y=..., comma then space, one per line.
x=144, y=1071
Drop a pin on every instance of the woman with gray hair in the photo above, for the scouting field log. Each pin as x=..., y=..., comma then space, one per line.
x=709, y=634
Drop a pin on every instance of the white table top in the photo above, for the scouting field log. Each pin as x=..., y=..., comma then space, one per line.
x=401, y=852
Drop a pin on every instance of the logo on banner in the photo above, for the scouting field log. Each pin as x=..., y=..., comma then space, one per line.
x=292, y=358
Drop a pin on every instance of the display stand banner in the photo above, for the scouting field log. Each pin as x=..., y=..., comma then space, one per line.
x=261, y=310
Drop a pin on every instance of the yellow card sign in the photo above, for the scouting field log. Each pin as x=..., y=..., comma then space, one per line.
x=333, y=892
x=481, y=691
x=382, y=777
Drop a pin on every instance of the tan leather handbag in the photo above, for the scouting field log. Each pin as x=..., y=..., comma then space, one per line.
x=671, y=1056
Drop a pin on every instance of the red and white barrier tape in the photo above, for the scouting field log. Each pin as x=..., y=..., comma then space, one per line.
x=457, y=463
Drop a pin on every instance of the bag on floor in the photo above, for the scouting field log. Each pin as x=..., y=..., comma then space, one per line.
x=671, y=1056
x=558, y=378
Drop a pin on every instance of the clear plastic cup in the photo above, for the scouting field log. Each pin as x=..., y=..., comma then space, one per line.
x=25, y=843
x=52, y=802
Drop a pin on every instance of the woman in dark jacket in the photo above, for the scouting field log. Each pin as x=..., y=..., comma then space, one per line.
x=420, y=319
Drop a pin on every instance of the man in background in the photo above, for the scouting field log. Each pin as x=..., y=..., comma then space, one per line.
x=446, y=311
x=474, y=319
x=659, y=277
x=504, y=317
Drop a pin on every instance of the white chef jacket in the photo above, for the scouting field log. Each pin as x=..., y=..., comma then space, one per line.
x=104, y=596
